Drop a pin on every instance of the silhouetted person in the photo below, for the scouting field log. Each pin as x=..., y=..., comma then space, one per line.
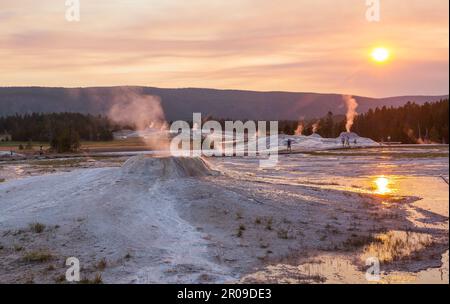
x=289, y=145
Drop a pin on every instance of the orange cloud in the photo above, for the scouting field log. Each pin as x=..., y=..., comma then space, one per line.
x=296, y=45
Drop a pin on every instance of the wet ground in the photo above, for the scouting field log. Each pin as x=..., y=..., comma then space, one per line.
x=412, y=178
x=410, y=184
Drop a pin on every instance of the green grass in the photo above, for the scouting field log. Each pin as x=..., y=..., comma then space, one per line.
x=113, y=143
x=15, y=144
x=58, y=162
x=40, y=256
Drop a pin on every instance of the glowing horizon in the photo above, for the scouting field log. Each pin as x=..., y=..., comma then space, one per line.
x=313, y=46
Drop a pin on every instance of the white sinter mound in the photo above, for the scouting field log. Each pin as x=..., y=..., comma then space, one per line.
x=315, y=142
x=299, y=143
x=167, y=167
x=6, y=154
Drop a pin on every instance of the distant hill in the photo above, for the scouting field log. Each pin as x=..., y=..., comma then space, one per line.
x=180, y=103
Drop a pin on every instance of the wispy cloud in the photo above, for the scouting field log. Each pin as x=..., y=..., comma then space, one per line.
x=296, y=45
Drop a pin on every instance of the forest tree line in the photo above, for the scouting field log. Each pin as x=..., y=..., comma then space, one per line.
x=409, y=124
x=63, y=131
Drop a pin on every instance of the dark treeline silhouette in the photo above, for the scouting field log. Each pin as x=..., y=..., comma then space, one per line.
x=62, y=130
x=411, y=123
x=329, y=126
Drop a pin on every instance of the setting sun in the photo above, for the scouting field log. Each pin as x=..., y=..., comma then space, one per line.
x=380, y=54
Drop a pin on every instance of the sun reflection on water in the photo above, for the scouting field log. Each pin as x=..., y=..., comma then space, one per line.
x=382, y=185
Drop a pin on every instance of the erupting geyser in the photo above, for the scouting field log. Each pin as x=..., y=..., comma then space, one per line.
x=299, y=130
x=352, y=105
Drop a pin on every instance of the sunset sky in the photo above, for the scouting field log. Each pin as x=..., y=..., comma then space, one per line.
x=291, y=45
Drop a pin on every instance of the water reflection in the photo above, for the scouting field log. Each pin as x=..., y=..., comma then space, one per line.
x=382, y=185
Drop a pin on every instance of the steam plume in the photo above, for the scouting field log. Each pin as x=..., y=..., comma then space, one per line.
x=352, y=105
x=143, y=111
x=315, y=127
x=132, y=107
x=300, y=128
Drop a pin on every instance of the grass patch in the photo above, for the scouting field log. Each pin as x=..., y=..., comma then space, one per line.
x=14, y=144
x=37, y=227
x=283, y=234
x=396, y=245
x=358, y=241
x=96, y=280
x=101, y=265
x=240, y=231
x=60, y=279
x=40, y=256
x=58, y=163
x=128, y=142
x=269, y=224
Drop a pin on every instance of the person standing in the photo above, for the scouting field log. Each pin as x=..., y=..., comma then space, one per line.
x=289, y=145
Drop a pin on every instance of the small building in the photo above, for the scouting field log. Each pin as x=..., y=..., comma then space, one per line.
x=123, y=134
x=5, y=137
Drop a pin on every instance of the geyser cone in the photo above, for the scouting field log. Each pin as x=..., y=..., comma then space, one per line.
x=167, y=167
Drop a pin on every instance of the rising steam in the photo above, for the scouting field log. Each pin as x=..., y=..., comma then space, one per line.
x=352, y=105
x=144, y=112
x=300, y=128
x=315, y=127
